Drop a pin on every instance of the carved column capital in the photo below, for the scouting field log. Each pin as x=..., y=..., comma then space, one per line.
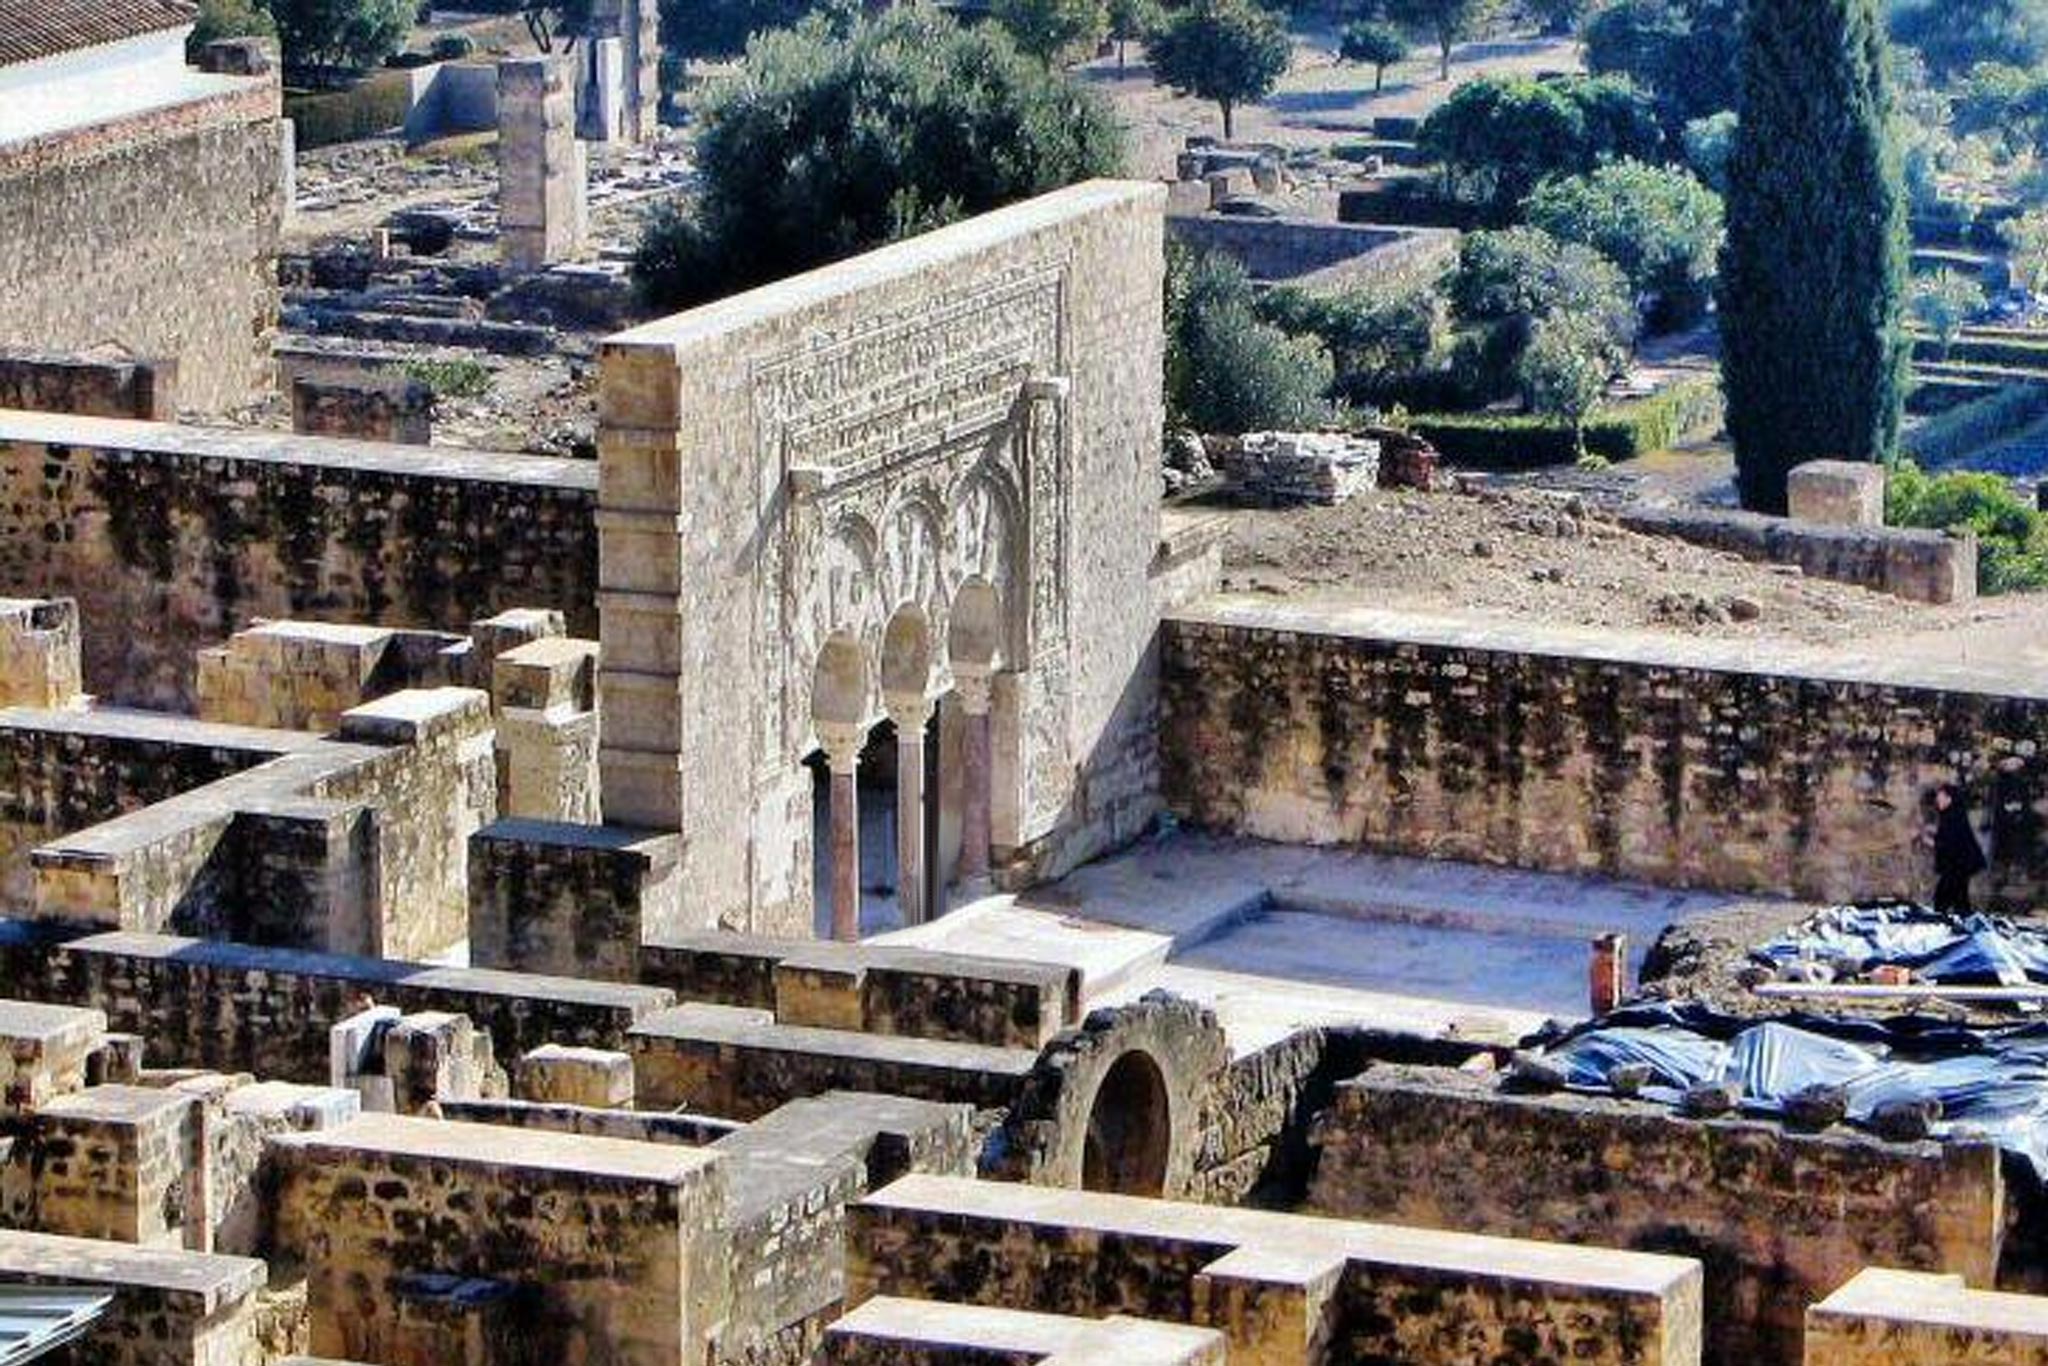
x=909, y=712
x=842, y=743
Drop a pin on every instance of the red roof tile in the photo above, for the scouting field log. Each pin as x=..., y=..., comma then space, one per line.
x=43, y=28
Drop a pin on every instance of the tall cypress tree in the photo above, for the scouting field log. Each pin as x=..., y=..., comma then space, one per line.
x=1814, y=273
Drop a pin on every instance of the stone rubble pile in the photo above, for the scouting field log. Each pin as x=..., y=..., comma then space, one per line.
x=1283, y=468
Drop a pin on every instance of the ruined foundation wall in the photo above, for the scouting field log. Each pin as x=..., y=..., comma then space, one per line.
x=158, y=233
x=1779, y=1220
x=1680, y=763
x=174, y=538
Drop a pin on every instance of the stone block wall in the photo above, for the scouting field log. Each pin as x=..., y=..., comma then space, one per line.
x=577, y=900
x=597, y=1239
x=236, y=1008
x=1883, y=1317
x=43, y=1050
x=1917, y=565
x=1683, y=764
x=390, y=408
x=39, y=653
x=1327, y=253
x=88, y=385
x=171, y=539
x=1779, y=1220
x=156, y=231
x=1005, y=373
x=170, y=1308
x=1282, y=1289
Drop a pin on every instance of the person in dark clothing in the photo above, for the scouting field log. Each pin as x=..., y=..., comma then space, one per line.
x=1958, y=856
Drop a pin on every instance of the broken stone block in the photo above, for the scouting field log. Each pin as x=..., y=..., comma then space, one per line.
x=595, y=1077
x=1533, y=1072
x=1629, y=1079
x=1836, y=493
x=1817, y=1107
x=44, y=1052
x=1906, y=1121
x=434, y=1055
x=1710, y=1099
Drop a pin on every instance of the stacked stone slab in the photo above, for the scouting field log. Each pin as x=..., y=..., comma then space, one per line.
x=542, y=179
x=1283, y=469
x=545, y=695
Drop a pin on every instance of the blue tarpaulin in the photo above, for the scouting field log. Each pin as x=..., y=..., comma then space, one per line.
x=1977, y=950
x=1992, y=1083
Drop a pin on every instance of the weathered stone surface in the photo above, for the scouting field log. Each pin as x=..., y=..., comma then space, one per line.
x=576, y=1076
x=578, y=900
x=1883, y=1317
x=374, y=408
x=1779, y=1219
x=1281, y=1288
x=88, y=385
x=44, y=1050
x=595, y=1234
x=170, y=1308
x=1681, y=764
x=996, y=369
x=172, y=538
x=887, y=1331
x=1837, y=493
x=1907, y=562
x=157, y=231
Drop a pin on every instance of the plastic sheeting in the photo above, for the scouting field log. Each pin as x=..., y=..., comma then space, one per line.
x=1977, y=950
x=1992, y=1084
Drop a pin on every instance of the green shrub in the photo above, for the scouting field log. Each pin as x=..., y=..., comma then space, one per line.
x=1972, y=426
x=2012, y=538
x=219, y=19
x=1227, y=370
x=375, y=104
x=1686, y=411
x=463, y=378
x=452, y=47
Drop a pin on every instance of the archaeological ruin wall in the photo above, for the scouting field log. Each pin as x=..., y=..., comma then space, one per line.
x=1684, y=764
x=173, y=538
x=1779, y=1220
x=925, y=477
x=157, y=232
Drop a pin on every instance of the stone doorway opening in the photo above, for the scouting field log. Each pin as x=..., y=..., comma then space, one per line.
x=1130, y=1130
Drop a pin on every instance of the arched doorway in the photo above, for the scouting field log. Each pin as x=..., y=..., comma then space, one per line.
x=1130, y=1130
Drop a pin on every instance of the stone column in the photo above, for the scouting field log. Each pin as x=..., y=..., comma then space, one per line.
x=842, y=758
x=909, y=715
x=977, y=781
x=541, y=173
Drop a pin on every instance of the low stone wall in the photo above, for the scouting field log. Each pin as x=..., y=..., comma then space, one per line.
x=173, y=538
x=589, y=1243
x=170, y=1308
x=1884, y=1317
x=88, y=386
x=1317, y=252
x=871, y=988
x=1281, y=1288
x=236, y=1008
x=1921, y=566
x=1779, y=1220
x=1681, y=763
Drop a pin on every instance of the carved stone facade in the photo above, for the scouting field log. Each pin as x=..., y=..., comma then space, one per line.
x=904, y=483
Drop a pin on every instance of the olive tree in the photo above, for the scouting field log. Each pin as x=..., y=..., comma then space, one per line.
x=1230, y=51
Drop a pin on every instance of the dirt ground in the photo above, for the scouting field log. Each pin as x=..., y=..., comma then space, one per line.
x=1554, y=556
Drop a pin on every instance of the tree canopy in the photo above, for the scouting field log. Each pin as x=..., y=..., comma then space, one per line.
x=1054, y=30
x=721, y=28
x=1498, y=137
x=1686, y=53
x=355, y=33
x=1814, y=275
x=1658, y=223
x=1956, y=35
x=1378, y=46
x=1230, y=51
x=829, y=140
